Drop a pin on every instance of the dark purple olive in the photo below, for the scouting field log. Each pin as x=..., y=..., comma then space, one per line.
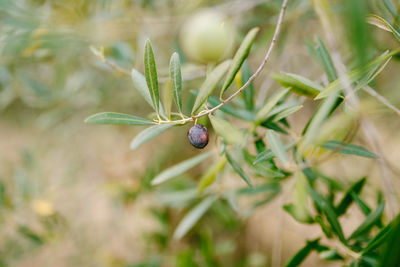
x=198, y=136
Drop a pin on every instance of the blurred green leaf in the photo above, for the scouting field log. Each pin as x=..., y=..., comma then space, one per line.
x=383, y=24
x=379, y=238
x=390, y=256
x=298, y=84
x=326, y=60
x=210, y=83
x=268, y=107
x=286, y=112
x=369, y=221
x=268, y=154
x=139, y=82
x=193, y=216
x=364, y=73
x=347, y=198
x=248, y=93
x=238, y=59
x=209, y=176
x=117, y=118
x=349, y=149
x=277, y=147
x=302, y=254
x=180, y=168
x=236, y=167
x=148, y=134
x=151, y=75
x=299, y=208
x=226, y=130
x=176, y=78
x=30, y=234
x=166, y=96
x=329, y=212
x=361, y=204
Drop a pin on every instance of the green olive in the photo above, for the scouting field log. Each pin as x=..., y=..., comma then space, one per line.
x=206, y=37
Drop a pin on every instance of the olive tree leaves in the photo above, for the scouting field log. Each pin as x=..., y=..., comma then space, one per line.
x=150, y=72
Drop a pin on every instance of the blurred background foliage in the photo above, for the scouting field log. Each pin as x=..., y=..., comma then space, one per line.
x=75, y=195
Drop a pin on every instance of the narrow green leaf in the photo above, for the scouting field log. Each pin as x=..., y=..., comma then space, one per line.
x=150, y=72
x=209, y=176
x=390, y=254
x=210, y=83
x=299, y=208
x=302, y=254
x=389, y=6
x=378, y=240
x=117, y=118
x=314, y=127
x=263, y=113
x=326, y=60
x=298, y=84
x=139, y=82
x=369, y=221
x=238, y=169
x=329, y=212
x=193, y=216
x=268, y=154
x=358, y=74
x=148, y=134
x=248, y=93
x=166, y=96
x=347, y=198
x=180, y=168
x=361, y=204
x=239, y=58
x=176, y=78
x=277, y=147
x=349, y=149
x=286, y=112
x=383, y=24
x=226, y=130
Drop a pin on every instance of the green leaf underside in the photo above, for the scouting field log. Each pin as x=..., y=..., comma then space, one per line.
x=298, y=84
x=276, y=146
x=209, y=84
x=349, y=149
x=239, y=58
x=226, y=130
x=180, y=168
x=151, y=75
x=236, y=167
x=176, y=78
x=117, y=118
x=193, y=216
x=148, y=134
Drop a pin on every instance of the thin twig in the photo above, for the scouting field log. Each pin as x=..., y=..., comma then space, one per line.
x=251, y=79
x=381, y=99
x=230, y=98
